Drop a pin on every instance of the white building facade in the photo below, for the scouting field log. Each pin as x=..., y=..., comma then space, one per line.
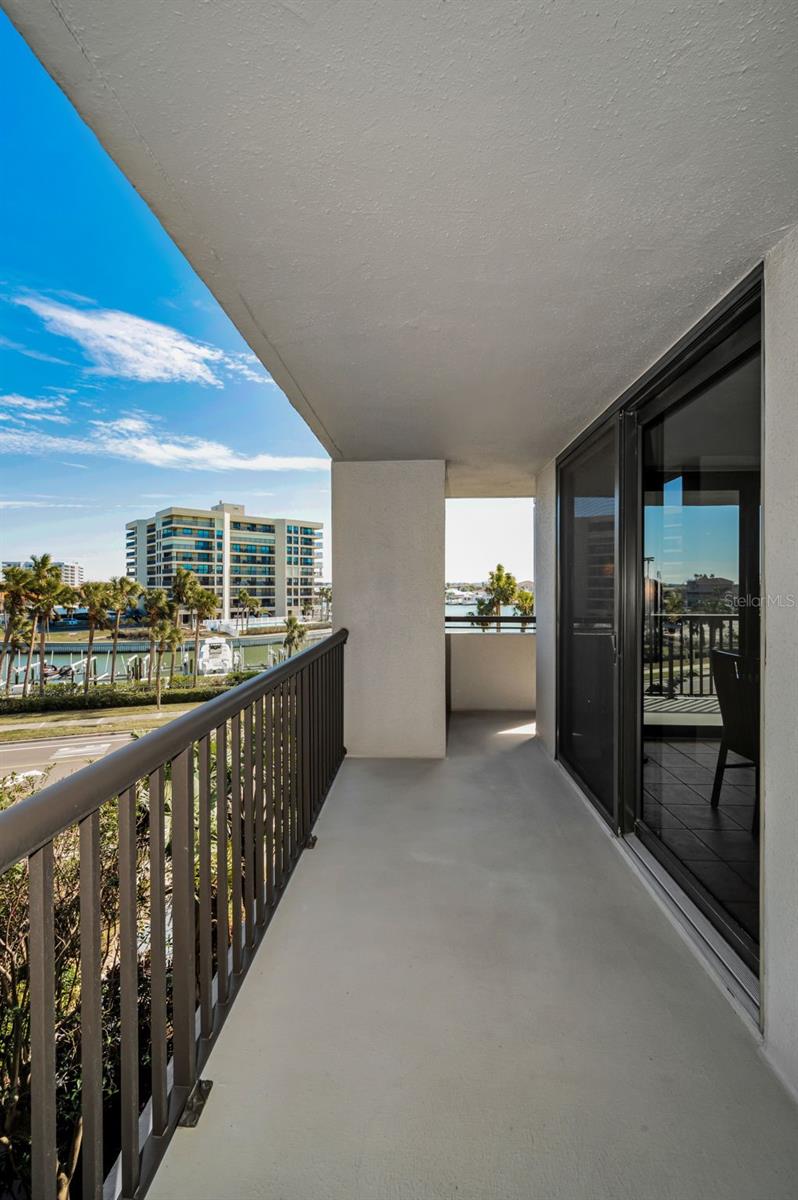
x=71, y=572
x=275, y=560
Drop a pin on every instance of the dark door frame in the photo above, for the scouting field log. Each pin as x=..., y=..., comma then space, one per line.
x=721, y=341
x=597, y=431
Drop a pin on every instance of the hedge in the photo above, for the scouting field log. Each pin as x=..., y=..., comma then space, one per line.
x=64, y=699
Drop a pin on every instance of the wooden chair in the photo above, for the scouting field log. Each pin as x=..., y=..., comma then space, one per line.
x=737, y=687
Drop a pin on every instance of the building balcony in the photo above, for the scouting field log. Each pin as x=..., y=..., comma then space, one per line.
x=468, y=991
x=467, y=988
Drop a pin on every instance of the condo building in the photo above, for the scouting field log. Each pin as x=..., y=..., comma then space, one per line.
x=276, y=560
x=71, y=572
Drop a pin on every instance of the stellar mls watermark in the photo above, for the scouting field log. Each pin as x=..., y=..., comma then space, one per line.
x=769, y=600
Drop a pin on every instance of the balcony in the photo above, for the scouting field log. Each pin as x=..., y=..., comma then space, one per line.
x=465, y=987
x=467, y=991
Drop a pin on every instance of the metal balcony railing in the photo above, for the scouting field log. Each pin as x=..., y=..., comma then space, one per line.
x=677, y=649
x=152, y=876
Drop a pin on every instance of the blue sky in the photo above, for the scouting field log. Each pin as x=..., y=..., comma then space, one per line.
x=121, y=379
x=123, y=386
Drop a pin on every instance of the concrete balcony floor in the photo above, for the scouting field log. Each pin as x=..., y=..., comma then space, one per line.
x=467, y=993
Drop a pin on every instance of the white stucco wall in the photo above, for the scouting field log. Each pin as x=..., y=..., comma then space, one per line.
x=388, y=530
x=546, y=603
x=492, y=671
x=780, y=653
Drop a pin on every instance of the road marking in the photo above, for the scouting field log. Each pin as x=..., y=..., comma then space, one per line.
x=81, y=751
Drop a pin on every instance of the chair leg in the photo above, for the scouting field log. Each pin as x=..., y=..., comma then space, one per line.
x=719, y=769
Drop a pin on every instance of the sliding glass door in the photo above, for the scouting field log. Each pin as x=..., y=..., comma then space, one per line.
x=658, y=668
x=588, y=529
x=699, y=594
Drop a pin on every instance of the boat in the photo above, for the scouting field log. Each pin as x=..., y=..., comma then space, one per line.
x=217, y=657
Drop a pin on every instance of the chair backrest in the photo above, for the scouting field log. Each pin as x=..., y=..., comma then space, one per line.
x=737, y=686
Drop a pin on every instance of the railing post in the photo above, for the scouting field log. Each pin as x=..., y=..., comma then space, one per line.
x=42, y=1023
x=184, y=988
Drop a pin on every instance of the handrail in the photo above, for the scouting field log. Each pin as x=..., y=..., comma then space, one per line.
x=32, y=822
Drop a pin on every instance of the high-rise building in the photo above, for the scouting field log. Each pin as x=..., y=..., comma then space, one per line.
x=71, y=572
x=276, y=560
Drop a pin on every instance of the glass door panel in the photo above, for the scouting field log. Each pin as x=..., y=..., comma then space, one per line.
x=587, y=687
x=701, y=468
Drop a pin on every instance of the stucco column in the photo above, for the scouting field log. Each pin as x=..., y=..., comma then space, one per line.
x=779, y=777
x=388, y=527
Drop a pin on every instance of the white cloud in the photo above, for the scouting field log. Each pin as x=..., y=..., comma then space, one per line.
x=7, y=344
x=135, y=438
x=13, y=400
x=25, y=408
x=249, y=367
x=40, y=504
x=122, y=345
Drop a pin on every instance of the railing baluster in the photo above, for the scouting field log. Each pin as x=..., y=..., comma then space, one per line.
x=339, y=707
x=305, y=749
x=91, y=1017
x=260, y=838
x=278, y=788
x=158, y=1027
x=235, y=819
x=183, y=955
x=294, y=771
x=249, y=833
x=222, y=895
x=270, y=838
x=314, y=734
x=285, y=783
x=129, y=1001
x=205, y=919
x=42, y=1022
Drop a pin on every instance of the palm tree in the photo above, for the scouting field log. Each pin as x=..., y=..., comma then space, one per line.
x=168, y=636
x=96, y=597
x=52, y=593
x=325, y=595
x=205, y=606
x=182, y=592
x=249, y=604
x=124, y=594
x=185, y=586
x=295, y=635
x=42, y=573
x=156, y=606
x=524, y=605
x=16, y=586
x=501, y=588
x=20, y=639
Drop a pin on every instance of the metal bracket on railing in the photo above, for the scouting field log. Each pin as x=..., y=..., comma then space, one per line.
x=195, y=1103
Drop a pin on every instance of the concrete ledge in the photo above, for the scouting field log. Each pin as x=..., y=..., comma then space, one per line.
x=491, y=671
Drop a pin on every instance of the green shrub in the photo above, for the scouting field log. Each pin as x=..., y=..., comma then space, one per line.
x=73, y=699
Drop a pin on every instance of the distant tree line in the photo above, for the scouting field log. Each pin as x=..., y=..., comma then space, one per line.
x=34, y=597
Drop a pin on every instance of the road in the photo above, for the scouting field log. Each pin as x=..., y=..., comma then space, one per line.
x=56, y=757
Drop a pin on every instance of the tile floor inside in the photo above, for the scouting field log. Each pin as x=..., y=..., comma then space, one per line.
x=716, y=845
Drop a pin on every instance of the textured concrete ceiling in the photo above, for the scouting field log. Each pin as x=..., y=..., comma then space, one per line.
x=449, y=229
